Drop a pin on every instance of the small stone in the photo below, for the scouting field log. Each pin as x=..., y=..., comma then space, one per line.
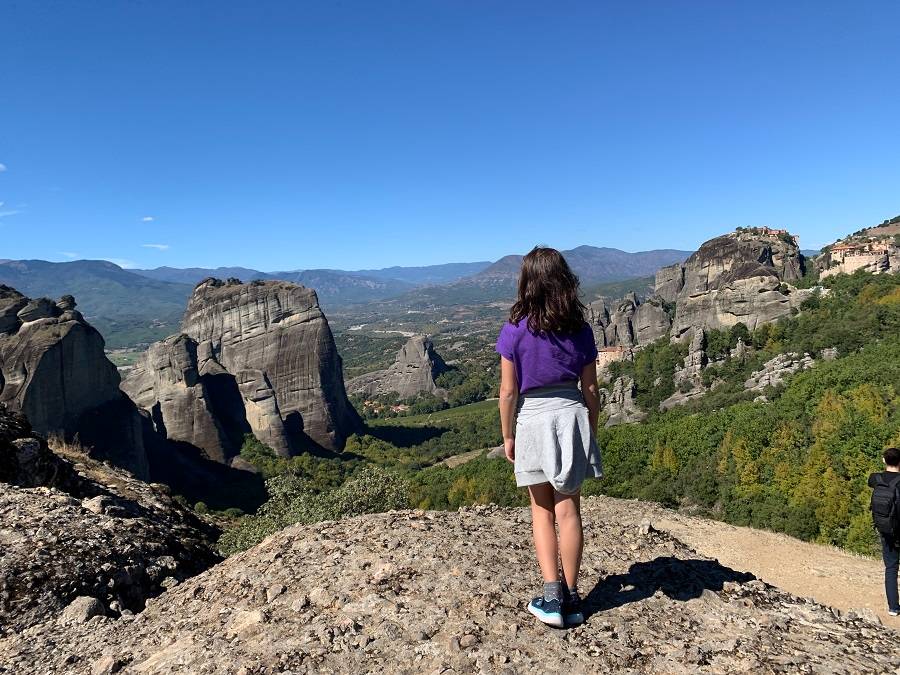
x=274, y=591
x=300, y=603
x=247, y=619
x=107, y=665
x=95, y=504
x=82, y=609
x=468, y=641
x=645, y=528
x=321, y=597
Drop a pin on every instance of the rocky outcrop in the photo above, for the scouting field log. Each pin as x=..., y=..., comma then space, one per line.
x=736, y=278
x=774, y=371
x=256, y=357
x=413, y=372
x=628, y=322
x=756, y=299
x=618, y=403
x=78, y=534
x=191, y=398
x=722, y=255
x=54, y=370
x=418, y=592
x=670, y=282
x=688, y=379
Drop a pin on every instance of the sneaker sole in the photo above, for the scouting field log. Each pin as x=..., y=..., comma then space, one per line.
x=555, y=620
x=574, y=619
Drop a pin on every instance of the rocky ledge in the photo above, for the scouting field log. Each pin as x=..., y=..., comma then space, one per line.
x=426, y=592
x=79, y=539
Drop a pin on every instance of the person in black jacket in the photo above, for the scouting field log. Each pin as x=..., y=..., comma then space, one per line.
x=884, y=484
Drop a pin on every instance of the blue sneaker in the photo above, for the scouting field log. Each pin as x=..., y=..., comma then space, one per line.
x=547, y=611
x=571, y=609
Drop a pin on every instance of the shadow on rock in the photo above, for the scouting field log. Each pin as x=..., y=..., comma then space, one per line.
x=678, y=579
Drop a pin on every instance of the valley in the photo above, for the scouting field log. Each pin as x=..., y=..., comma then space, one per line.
x=741, y=388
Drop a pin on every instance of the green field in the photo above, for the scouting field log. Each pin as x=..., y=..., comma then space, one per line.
x=441, y=417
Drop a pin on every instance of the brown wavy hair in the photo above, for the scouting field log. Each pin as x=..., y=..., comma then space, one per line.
x=548, y=294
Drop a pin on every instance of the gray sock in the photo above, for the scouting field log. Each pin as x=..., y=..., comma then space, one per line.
x=553, y=590
x=569, y=592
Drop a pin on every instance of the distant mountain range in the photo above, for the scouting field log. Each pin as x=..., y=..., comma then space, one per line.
x=407, y=277
x=136, y=306
x=593, y=265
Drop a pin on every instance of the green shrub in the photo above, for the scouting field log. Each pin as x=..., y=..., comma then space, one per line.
x=293, y=500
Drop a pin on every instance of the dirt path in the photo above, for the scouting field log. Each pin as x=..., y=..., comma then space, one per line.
x=826, y=574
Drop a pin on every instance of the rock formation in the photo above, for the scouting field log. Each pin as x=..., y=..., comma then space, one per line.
x=191, y=399
x=256, y=357
x=736, y=278
x=688, y=379
x=419, y=592
x=413, y=372
x=774, y=371
x=54, y=370
x=628, y=322
x=619, y=405
x=669, y=282
x=77, y=534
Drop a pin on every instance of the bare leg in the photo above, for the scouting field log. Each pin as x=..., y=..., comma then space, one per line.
x=571, y=536
x=544, y=528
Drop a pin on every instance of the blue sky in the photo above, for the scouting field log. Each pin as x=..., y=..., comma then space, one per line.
x=364, y=134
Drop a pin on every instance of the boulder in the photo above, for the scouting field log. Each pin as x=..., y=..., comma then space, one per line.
x=42, y=308
x=82, y=609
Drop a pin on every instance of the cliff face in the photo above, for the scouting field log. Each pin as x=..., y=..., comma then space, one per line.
x=73, y=527
x=254, y=357
x=735, y=278
x=189, y=399
x=413, y=372
x=628, y=322
x=54, y=370
x=419, y=592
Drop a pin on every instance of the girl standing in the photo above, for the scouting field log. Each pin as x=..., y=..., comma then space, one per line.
x=547, y=348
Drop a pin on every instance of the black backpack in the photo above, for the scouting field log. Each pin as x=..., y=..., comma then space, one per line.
x=886, y=504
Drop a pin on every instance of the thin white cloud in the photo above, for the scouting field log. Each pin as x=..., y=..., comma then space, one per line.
x=147, y=219
x=121, y=262
x=158, y=247
x=2, y=168
x=4, y=214
x=69, y=254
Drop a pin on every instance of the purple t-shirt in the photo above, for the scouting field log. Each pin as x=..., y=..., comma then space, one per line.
x=548, y=359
